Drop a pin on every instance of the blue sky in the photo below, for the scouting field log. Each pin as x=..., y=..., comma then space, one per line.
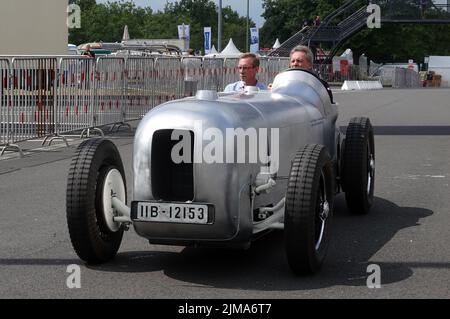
x=238, y=5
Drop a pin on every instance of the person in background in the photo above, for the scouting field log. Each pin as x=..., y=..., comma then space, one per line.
x=88, y=52
x=248, y=68
x=317, y=21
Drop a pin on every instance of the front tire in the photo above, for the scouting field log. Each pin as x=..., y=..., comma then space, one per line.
x=96, y=171
x=309, y=209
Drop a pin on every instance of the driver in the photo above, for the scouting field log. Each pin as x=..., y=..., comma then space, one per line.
x=301, y=57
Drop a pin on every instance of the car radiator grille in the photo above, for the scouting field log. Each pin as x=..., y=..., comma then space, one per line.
x=171, y=181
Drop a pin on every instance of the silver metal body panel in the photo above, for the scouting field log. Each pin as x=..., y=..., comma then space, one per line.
x=298, y=106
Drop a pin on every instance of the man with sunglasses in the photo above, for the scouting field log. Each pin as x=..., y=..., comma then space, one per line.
x=248, y=68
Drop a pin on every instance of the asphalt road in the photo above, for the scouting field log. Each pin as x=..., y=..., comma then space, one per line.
x=406, y=234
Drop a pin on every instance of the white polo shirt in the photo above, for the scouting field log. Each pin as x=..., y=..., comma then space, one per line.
x=240, y=85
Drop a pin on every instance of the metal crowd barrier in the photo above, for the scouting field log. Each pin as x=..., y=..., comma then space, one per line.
x=33, y=98
x=5, y=106
x=212, y=74
x=192, y=70
x=387, y=76
x=269, y=68
x=75, y=92
x=55, y=96
x=140, y=81
x=168, y=80
x=108, y=107
x=230, y=71
x=264, y=70
x=405, y=78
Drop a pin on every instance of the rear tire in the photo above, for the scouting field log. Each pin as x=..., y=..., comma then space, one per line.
x=358, y=172
x=96, y=170
x=309, y=209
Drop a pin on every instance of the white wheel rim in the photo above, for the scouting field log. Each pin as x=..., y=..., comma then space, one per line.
x=113, y=186
x=370, y=170
x=324, y=213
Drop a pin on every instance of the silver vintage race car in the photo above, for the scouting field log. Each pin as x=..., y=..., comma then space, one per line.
x=222, y=169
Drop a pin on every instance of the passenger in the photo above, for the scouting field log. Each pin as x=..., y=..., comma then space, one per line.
x=301, y=57
x=248, y=68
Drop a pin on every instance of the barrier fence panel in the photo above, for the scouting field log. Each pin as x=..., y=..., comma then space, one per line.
x=33, y=96
x=337, y=73
x=75, y=92
x=5, y=106
x=193, y=74
x=398, y=80
x=277, y=66
x=168, y=80
x=324, y=71
x=387, y=76
x=230, y=71
x=41, y=97
x=140, y=82
x=109, y=91
x=412, y=79
x=263, y=75
x=212, y=78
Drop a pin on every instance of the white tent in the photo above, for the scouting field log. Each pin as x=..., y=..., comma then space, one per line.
x=277, y=44
x=126, y=34
x=230, y=51
x=348, y=55
x=213, y=50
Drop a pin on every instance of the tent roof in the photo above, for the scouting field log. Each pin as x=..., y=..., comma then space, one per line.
x=213, y=50
x=277, y=44
x=230, y=50
x=126, y=34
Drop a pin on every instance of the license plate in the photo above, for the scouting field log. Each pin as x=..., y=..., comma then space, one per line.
x=172, y=212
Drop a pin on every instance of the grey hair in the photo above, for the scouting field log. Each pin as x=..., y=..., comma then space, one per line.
x=308, y=53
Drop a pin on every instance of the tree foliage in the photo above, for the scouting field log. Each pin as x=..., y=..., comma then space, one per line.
x=105, y=22
x=284, y=18
x=391, y=43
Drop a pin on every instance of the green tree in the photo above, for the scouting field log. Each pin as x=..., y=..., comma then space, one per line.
x=84, y=4
x=391, y=43
x=284, y=18
x=203, y=13
x=105, y=22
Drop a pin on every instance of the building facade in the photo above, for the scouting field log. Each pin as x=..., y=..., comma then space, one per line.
x=33, y=27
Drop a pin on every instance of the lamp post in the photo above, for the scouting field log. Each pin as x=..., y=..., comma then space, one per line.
x=219, y=35
x=248, y=26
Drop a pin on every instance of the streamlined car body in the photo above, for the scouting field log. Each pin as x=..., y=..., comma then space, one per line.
x=221, y=168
